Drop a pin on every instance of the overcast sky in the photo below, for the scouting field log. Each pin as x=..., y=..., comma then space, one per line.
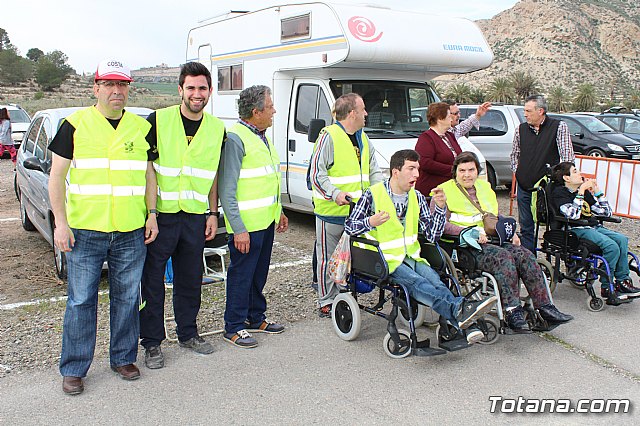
x=148, y=33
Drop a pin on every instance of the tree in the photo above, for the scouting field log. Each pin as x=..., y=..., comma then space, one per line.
x=477, y=95
x=501, y=90
x=585, y=98
x=523, y=84
x=34, y=54
x=5, y=43
x=437, y=87
x=558, y=99
x=13, y=68
x=52, y=69
x=460, y=93
x=633, y=99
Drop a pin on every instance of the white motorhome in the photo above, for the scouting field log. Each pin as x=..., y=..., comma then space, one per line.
x=311, y=53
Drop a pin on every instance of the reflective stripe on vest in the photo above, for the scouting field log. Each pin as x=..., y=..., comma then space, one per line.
x=258, y=191
x=396, y=241
x=463, y=213
x=107, y=172
x=346, y=174
x=186, y=171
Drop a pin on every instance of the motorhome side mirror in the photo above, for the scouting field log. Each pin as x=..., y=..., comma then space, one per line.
x=315, y=125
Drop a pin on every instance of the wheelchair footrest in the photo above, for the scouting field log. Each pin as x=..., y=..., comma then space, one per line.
x=423, y=348
x=460, y=342
x=544, y=326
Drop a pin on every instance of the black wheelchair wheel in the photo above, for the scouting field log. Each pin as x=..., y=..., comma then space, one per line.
x=346, y=318
x=446, y=334
x=595, y=304
x=548, y=272
x=490, y=327
x=577, y=276
x=418, y=311
x=402, y=349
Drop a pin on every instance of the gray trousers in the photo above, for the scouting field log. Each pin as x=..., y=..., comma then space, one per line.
x=327, y=237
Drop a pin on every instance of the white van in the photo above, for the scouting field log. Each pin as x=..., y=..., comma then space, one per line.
x=311, y=53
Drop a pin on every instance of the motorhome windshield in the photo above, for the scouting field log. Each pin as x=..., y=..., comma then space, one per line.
x=395, y=109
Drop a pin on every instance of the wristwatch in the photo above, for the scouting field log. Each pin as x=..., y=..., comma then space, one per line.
x=154, y=211
x=210, y=213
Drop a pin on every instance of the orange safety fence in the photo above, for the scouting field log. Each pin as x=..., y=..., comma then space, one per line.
x=618, y=179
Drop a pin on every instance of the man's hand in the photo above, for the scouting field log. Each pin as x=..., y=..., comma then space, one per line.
x=63, y=238
x=341, y=199
x=150, y=228
x=283, y=224
x=482, y=109
x=437, y=195
x=211, y=228
x=241, y=242
x=379, y=218
x=516, y=240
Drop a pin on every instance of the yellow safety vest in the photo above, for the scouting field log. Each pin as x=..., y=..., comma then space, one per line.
x=186, y=171
x=396, y=241
x=347, y=173
x=463, y=213
x=107, y=174
x=258, y=191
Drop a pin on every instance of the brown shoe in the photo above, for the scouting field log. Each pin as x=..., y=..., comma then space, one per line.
x=72, y=385
x=127, y=372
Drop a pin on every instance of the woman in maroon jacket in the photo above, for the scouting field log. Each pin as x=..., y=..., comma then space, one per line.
x=437, y=148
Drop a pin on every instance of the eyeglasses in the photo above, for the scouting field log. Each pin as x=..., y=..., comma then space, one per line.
x=455, y=113
x=110, y=84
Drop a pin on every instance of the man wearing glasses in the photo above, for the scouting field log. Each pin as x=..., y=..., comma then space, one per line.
x=101, y=215
x=458, y=129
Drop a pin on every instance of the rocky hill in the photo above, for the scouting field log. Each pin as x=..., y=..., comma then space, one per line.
x=565, y=43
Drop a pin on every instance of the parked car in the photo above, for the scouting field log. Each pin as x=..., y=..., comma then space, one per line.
x=590, y=136
x=19, y=122
x=627, y=124
x=494, y=138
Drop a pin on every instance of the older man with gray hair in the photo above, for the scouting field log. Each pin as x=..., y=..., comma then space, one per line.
x=249, y=179
x=539, y=142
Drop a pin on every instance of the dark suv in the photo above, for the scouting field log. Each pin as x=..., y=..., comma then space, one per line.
x=591, y=136
x=627, y=124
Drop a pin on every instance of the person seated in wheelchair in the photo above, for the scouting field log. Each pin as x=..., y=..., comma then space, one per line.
x=391, y=212
x=579, y=198
x=508, y=261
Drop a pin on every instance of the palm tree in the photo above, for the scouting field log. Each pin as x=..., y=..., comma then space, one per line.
x=585, y=98
x=558, y=99
x=437, y=87
x=477, y=95
x=633, y=99
x=524, y=84
x=460, y=92
x=501, y=90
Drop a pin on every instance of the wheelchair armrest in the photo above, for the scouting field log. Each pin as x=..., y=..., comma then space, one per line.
x=362, y=240
x=608, y=219
x=572, y=222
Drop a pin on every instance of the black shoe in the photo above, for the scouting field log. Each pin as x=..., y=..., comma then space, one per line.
x=153, y=357
x=625, y=287
x=471, y=310
x=516, y=322
x=613, y=299
x=552, y=315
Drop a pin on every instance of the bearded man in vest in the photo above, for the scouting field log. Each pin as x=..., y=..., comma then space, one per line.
x=393, y=212
x=104, y=218
x=186, y=142
x=250, y=197
x=343, y=165
x=538, y=144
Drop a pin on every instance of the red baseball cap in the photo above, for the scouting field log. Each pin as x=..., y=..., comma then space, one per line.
x=110, y=69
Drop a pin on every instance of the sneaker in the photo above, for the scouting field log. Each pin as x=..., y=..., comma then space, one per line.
x=198, y=344
x=153, y=357
x=265, y=327
x=325, y=312
x=314, y=286
x=625, y=287
x=613, y=299
x=474, y=335
x=470, y=310
x=516, y=322
x=241, y=339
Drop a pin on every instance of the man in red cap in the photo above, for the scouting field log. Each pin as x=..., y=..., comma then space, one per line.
x=101, y=215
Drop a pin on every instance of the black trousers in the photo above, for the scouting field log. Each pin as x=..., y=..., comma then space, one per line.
x=181, y=237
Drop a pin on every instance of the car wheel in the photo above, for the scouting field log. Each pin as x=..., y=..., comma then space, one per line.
x=491, y=176
x=24, y=217
x=596, y=152
x=15, y=186
x=59, y=257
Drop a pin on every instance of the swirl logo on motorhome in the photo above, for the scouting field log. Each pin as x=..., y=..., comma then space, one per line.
x=363, y=29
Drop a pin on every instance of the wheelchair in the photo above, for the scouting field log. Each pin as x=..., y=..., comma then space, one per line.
x=477, y=283
x=583, y=260
x=369, y=271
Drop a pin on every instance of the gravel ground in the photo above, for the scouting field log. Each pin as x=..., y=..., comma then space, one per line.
x=30, y=336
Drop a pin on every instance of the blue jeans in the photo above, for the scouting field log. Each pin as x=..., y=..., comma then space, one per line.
x=424, y=286
x=246, y=277
x=527, y=227
x=125, y=253
x=614, y=249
